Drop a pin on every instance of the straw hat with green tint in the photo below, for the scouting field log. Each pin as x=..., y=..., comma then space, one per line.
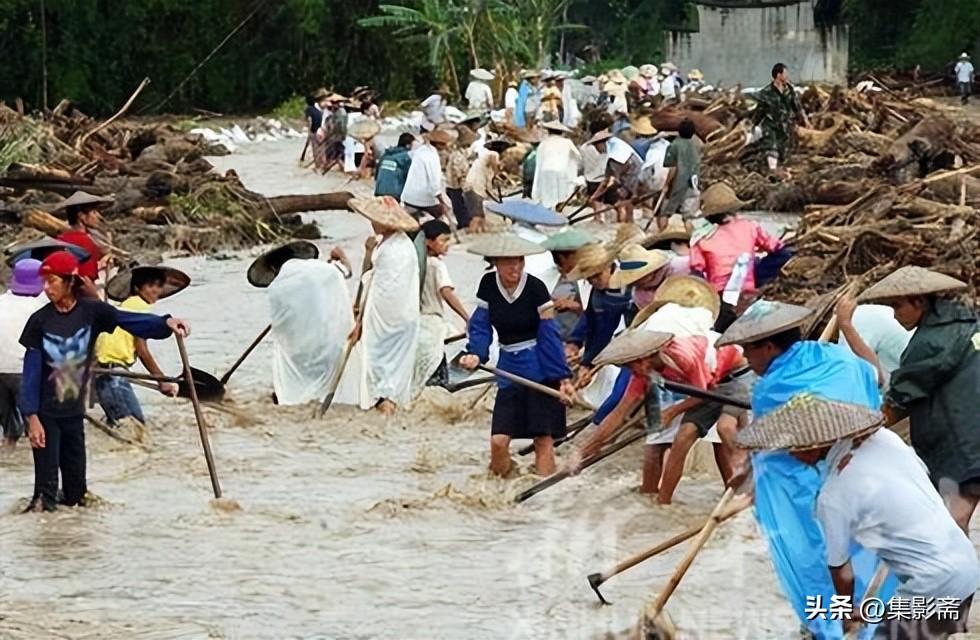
x=504, y=245
x=571, y=239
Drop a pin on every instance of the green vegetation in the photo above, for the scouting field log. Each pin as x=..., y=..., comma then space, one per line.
x=97, y=52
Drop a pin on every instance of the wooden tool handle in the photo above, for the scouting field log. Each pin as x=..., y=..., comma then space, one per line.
x=199, y=416
x=247, y=352
x=692, y=552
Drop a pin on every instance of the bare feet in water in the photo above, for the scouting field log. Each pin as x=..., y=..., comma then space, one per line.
x=386, y=407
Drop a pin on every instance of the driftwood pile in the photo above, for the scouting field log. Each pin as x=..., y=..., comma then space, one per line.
x=167, y=196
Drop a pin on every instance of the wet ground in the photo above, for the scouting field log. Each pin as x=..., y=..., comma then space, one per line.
x=351, y=526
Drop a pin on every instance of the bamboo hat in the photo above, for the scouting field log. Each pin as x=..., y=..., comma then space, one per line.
x=386, y=211
x=504, y=245
x=80, y=199
x=41, y=248
x=643, y=127
x=266, y=267
x=695, y=74
x=809, y=421
x=530, y=73
x=632, y=345
x=364, y=129
x=673, y=233
x=441, y=136
x=911, y=281
x=482, y=74
x=648, y=71
x=120, y=286
x=720, y=198
x=588, y=80
x=627, y=233
x=763, y=319
x=600, y=136
x=571, y=239
x=636, y=263
x=616, y=76
x=556, y=127
x=499, y=145
x=686, y=291
x=321, y=93
x=590, y=260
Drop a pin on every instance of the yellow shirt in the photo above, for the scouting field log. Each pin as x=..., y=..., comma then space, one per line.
x=119, y=347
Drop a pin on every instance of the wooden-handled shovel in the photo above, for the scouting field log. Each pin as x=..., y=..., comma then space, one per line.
x=199, y=416
x=224, y=379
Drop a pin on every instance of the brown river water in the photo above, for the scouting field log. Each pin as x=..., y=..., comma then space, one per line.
x=351, y=526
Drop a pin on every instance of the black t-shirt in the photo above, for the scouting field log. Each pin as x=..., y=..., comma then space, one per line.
x=316, y=117
x=515, y=320
x=66, y=341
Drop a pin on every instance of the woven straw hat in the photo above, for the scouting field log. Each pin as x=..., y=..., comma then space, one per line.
x=600, y=136
x=364, y=129
x=809, y=421
x=120, y=286
x=632, y=345
x=911, y=281
x=321, y=93
x=441, y=136
x=763, y=319
x=386, y=211
x=686, y=291
x=720, y=198
x=482, y=74
x=617, y=76
x=648, y=71
x=530, y=73
x=590, y=260
x=627, y=233
x=504, y=245
x=695, y=74
x=673, y=233
x=570, y=239
x=636, y=263
x=41, y=248
x=266, y=267
x=556, y=126
x=81, y=198
x=643, y=127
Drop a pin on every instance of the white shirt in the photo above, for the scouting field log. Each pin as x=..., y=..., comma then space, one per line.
x=510, y=98
x=479, y=95
x=436, y=279
x=877, y=326
x=964, y=71
x=14, y=312
x=620, y=150
x=655, y=160
x=434, y=108
x=883, y=500
x=425, y=181
x=668, y=88
x=593, y=163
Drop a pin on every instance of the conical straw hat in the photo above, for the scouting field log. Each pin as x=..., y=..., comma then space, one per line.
x=386, y=211
x=120, y=286
x=504, y=245
x=635, y=263
x=364, y=129
x=720, y=198
x=266, y=267
x=557, y=127
x=632, y=345
x=911, y=281
x=41, y=248
x=686, y=291
x=590, y=260
x=627, y=233
x=809, y=421
x=80, y=198
x=570, y=239
x=482, y=74
x=763, y=319
x=673, y=233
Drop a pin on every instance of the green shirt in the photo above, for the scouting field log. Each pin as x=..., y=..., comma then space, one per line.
x=684, y=155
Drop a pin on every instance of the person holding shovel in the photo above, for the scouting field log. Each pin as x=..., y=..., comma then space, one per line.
x=60, y=343
x=786, y=489
x=623, y=179
x=519, y=308
x=877, y=492
x=139, y=289
x=390, y=313
x=937, y=380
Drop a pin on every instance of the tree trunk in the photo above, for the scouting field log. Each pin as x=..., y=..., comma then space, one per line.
x=281, y=205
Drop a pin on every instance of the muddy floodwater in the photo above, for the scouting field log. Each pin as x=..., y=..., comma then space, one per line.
x=352, y=526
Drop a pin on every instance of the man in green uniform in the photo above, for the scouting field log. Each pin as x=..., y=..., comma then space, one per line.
x=777, y=108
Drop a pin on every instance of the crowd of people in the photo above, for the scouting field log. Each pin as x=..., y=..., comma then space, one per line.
x=623, y=325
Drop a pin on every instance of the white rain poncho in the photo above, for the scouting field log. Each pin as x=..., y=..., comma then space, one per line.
x=310, y=311
x=390, y=323
x=556, y=170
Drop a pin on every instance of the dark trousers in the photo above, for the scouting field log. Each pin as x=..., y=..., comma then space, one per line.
x=966, y=89
x=459, y=207
x=64, y=450
x=726, y=317
x=10, y=418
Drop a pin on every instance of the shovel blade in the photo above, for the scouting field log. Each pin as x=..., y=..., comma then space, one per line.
x=595, y=581
x=325, y=405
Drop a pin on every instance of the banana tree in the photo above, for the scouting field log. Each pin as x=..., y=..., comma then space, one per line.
x=433, y=23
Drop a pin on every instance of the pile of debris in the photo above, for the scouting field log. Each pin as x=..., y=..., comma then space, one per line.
x=167, y=196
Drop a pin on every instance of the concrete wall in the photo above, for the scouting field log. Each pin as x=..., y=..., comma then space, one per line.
x=741, y=45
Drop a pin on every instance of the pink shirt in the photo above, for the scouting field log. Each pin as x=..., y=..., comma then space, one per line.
x=715, y=256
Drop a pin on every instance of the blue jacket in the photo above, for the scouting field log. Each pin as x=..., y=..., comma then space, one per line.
x=392, y=172
x=597, y=325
